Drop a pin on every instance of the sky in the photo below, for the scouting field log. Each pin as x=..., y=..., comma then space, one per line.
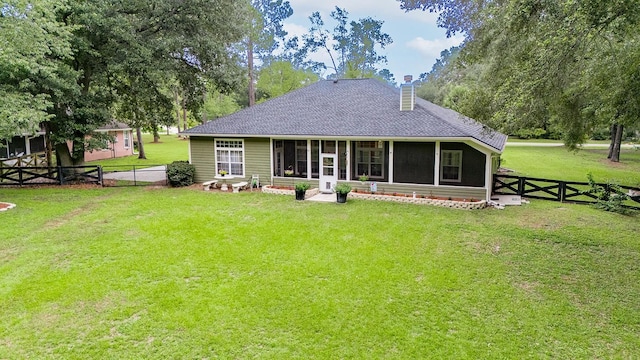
x=417, y=40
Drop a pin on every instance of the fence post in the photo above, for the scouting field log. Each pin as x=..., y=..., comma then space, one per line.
x=562, y=190
x=60, y=175
x=20, y=176
x=521, y=181
x=100, y=174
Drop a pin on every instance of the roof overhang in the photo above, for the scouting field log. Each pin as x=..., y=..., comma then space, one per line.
x=478, y=145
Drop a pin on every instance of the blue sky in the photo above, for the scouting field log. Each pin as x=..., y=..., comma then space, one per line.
x=417, y=41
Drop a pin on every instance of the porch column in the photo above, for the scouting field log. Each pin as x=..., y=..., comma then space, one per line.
x=308, y=159
x=348, y=156
x=390, y=162
x=436, y=164
x=488, y=175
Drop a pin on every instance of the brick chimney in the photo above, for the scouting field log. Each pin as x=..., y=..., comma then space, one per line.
x=407, y=94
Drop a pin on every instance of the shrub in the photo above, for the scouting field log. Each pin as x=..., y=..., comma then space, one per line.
x=302, y=186
x=180, y=173
x=609, y=197
x=343, y=188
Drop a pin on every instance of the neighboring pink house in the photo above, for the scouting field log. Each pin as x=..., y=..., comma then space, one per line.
x=121, y=146
x=24, y=146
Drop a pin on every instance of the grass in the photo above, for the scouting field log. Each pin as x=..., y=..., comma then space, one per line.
x=558, y=163
x=181, y=273
x=169, y=149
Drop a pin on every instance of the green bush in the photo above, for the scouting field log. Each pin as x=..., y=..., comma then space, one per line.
x=302, y=186
x=610, y=197
x=180, y=173
x=342, y=188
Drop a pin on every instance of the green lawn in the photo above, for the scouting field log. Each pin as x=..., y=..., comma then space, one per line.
x=181, y=273
x=558, y=163
x=169, y=149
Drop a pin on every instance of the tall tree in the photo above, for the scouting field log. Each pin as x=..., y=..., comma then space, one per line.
x=126, y=51
x=356, y=44
x=264, y=36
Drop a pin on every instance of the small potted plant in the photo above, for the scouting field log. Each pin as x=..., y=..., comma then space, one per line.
x=222, y=172
x=342, y=190
x=363, y=178
x=289, y=171
x=301, y=189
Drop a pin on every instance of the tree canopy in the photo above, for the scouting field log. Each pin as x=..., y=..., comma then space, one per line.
x=85, y=60
x=557, y=66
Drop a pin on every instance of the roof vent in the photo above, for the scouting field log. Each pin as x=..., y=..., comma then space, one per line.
x=407, y=94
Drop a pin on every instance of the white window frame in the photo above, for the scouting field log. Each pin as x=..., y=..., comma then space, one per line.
x=369, y=151
x=224, y=145
x=446, y=161
x=125, y=136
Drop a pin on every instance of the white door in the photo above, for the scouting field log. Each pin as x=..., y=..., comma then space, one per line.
x=328, y=172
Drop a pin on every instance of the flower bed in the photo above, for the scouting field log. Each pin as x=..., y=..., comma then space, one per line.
x=455, y=204
x=287, y=190
x=6, y=206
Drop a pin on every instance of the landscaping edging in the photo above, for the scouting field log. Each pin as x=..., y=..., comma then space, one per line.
x=267, y=189
x=466, y=205
x=6, y=206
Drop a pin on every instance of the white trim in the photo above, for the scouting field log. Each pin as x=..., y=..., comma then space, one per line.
x=436, y=165
x=390, y=178
x=215, y=154
x=488, y=175
x=453, y=152
x=309, y=159
x=271, y=163
x=348, y=155
x=467, y=140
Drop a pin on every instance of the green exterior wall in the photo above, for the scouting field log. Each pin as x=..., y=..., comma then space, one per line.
x=257, y=162
x=256, y=157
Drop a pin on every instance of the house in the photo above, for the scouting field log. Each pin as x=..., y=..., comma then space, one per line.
x=122, y=144
x=336, y=131
x=21, y=149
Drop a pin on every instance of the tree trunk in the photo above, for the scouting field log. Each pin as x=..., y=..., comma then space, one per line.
x=204, y=107
x=252, y=90
x=141, y=154
x=184, y=116
x=177, y=112
x=615, y=157
x=612, y=134
x=156, y=135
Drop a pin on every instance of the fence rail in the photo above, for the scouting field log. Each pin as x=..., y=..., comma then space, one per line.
x=557, y=190
x=59, y=175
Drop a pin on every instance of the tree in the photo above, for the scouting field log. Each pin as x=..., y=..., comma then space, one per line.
x=356, y=45
x=125, y=53
x=281, y=77
x=33, y=47
x=569, y=65
x=265, y=30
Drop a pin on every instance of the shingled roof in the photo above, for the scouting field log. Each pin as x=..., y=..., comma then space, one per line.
x=359, y=108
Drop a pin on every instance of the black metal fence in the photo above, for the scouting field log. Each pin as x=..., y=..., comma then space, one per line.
x=557, y=190
x=132, y=175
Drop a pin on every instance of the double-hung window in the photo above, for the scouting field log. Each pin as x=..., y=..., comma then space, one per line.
x=451, y=165
x=370, y=159
x=126, y=139
x=230, y=156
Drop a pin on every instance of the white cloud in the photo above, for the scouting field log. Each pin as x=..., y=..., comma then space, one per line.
x=432, y=48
